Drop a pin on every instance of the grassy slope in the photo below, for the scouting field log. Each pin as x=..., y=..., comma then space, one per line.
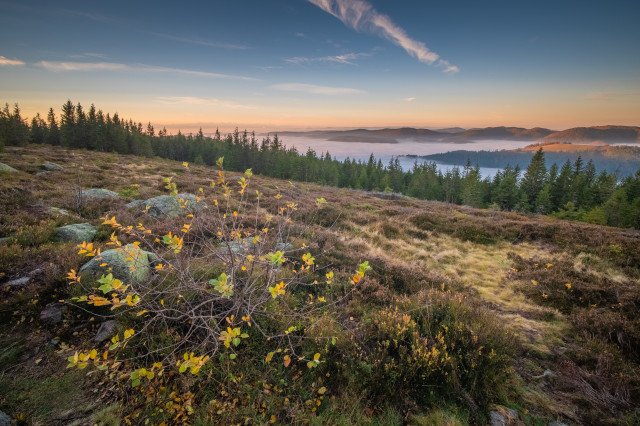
x=515, y=266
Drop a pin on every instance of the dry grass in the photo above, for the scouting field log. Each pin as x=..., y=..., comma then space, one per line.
x=412, y=245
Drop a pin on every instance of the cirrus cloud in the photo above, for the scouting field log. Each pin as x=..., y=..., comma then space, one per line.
x=113, y=66
x=190, y=100
x=314, y=89
x=361, y=16
x=10, y=62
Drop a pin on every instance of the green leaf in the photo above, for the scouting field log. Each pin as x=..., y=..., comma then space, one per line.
x=135, y=383
x=333, y=340
x=183, y=368
x=105, y=288
x=232, y=356
x=236, y=341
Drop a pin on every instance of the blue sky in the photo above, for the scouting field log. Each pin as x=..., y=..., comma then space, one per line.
x=282, y=64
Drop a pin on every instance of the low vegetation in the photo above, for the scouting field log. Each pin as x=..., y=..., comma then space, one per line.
x=289, y=302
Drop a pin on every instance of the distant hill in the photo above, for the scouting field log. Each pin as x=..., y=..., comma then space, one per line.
x=507, y=133
x=622, y=159
x=582, y=135
x=604, y=134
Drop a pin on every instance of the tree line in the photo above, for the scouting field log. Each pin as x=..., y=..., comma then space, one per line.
x=573, y=190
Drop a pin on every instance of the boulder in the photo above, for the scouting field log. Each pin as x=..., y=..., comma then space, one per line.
x=171, y=206
x=137, y=204
x=99, y=193
x=77, y=232
x=51, y=167
x=52, y=313
x=129, y=264
x=106, y=330
x=6, y=168
x=284, y=246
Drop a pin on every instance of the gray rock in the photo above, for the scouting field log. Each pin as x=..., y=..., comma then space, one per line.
x=42, y=174
x=18, y=282
x=4, y=240
x=52, y=167
x=496, y=419
x=284, y=246
x=59, y=211
x=171, y=206
x=503, y=417
x=99, y=193
x=52, y=313
x=244, y=245
x=6, y=168
x=77, y=232
x=137, y=204
x=136, y=271
x=106, y=330
x=5, y=420
x=556, y=424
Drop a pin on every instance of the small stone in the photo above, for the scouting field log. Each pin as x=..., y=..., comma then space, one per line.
x=78, y=232
x=52, y=166
x=42, y=174
x=52, y=313
x=59, y=211
x=99, y=193
x=106, y=330
x=496, y=419
x=5, y=420
x=18, y=282
x=556, y=424
x=54, y=342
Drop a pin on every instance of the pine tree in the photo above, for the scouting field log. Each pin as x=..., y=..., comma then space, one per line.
x=534, y=178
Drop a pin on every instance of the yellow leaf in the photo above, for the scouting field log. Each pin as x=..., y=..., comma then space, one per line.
x=287, y=360
x=316, y=357
x=322, y=390
x=93, y=354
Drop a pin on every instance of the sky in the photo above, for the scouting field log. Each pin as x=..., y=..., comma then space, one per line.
x=274, y=65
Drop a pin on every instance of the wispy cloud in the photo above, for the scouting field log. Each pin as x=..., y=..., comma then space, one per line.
x=267, y=68
x=189, y=100
x=361, y=16
x=10, y=62
x=409, y=99
x=201, y=42
x=341, y=59
x=89, y=55
x=82, y=66
x=314, y=89
x=113, y=66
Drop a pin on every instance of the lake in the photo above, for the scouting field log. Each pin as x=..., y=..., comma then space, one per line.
x=384, y=151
